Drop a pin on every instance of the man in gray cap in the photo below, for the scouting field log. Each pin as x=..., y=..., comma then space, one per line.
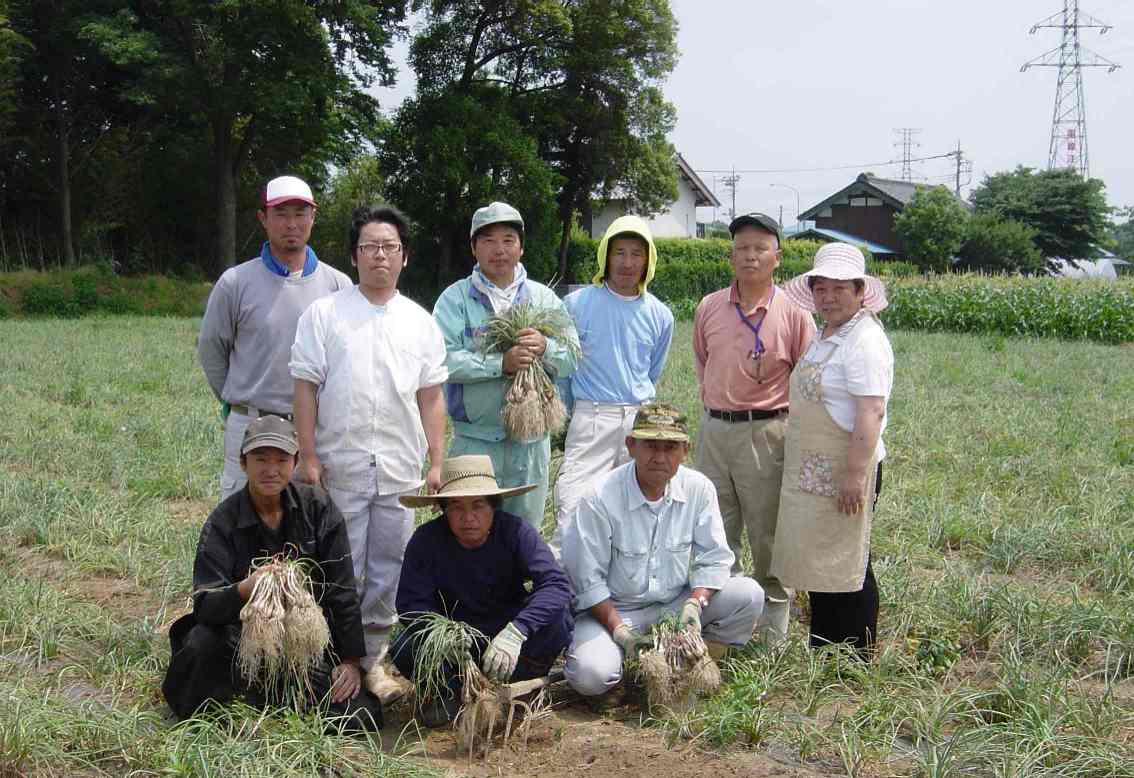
x=250, y=320
x=269, y=516
x=747, y=339
x=477, y=381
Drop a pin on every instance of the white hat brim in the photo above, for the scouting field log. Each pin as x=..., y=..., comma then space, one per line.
x=873, y=298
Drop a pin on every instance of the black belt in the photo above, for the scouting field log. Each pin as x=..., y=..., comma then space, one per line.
x=755, y=415
x=246, y=410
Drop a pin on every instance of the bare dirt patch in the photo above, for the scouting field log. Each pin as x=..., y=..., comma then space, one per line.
x=123, y=595
x=573, y=741
x=188, y=511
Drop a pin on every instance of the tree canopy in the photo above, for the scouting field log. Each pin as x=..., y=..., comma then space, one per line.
x=932, y=227
x=1068, y=213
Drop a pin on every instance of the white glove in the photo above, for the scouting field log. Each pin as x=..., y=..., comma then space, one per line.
x=503, y=653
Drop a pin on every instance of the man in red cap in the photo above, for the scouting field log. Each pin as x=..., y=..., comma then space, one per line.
x=250, y=321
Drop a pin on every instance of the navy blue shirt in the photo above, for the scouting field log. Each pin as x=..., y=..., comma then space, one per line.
x=483, y=587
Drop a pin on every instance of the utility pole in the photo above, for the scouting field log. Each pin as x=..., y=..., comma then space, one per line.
x=964, y=166
x=1068, y=145
x=730, y=181
x=908, y=144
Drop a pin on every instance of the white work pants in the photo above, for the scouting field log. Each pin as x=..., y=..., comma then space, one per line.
x=594, y=661
x=379, y=528
x=596, y=444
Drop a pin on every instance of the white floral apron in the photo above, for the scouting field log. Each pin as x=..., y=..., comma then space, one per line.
x=817, y=548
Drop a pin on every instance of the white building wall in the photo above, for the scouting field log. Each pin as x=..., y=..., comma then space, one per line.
x=678, y=221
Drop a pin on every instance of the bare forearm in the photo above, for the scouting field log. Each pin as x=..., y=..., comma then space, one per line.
x=869, y=412
x=607, y=615
x=431, y=405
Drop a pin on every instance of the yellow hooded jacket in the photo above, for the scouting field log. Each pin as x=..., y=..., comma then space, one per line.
x=635, y=225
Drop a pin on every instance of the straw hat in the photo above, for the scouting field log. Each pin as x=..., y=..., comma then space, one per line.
x=468, y=476
x=840, y=262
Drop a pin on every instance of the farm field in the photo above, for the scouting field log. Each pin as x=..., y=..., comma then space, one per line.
x=1003, y=545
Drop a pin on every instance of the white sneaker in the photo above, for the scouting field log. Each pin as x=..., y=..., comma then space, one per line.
x=772, y=626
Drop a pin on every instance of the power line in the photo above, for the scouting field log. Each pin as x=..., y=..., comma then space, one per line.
x=858, y=166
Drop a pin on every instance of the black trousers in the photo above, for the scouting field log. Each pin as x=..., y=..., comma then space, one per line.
x=203, y=670
x=848, y=617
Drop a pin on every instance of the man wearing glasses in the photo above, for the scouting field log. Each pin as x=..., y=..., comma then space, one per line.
x=250, y=320
x=368, y=365
x=746, y=341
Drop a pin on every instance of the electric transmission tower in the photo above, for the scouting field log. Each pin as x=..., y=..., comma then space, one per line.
x=908, y=144
x=1068, y=147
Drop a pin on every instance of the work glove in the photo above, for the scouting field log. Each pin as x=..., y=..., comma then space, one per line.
x=503, y=653
x=691, y=615
x=630, y=640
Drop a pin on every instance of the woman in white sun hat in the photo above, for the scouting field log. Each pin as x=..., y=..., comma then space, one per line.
x=833, y=450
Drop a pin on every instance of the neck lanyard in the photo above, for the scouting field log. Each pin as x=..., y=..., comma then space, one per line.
x=758, y=345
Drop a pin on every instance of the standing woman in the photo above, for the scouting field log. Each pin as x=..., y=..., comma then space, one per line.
x=833, y=450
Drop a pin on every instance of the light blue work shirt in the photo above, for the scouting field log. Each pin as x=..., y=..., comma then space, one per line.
x=619, y=548
x=625, y=345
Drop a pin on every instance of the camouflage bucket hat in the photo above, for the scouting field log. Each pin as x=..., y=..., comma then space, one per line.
x=660, y=421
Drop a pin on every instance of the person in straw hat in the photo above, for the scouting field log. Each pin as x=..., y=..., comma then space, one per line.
x=647, y=541
x=471, y=563
x=833, y=450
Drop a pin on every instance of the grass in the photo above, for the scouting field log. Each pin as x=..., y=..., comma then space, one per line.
x=1003, y=546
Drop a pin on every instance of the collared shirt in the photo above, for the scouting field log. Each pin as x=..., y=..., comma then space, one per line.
x=730, y=379
x=310, y=262
x=474, y=393
x=369, y=362
x=484, y=586
x=860, y=363
x=618, y=548
x=312, y=528
x=625, y=343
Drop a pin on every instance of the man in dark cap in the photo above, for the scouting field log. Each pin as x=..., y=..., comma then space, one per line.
x=269, y=517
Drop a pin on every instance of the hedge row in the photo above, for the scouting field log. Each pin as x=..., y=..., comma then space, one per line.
x=1072, y=309
x=96, y=289
x=690, y=269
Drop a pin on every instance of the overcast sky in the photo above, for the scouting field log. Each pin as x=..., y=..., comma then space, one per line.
x=766, y=85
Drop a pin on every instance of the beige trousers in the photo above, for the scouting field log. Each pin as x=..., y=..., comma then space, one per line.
x=745, y=462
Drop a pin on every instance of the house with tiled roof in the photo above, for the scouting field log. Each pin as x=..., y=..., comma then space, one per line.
x=678, y=220
x=862, y=212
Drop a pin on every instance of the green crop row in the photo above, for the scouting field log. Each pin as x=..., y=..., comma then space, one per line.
x=1074, y=309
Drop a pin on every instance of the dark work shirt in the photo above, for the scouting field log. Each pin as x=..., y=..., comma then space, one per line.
x=483, y=587
x=312, y=528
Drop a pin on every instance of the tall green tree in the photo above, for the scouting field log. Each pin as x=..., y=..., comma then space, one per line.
x=993, y=245
x=604, y=127
x=64, y=103
x=1122, y=232
x=264, y=77
x=932, y=228
x=575, y=81
x=1068, y=212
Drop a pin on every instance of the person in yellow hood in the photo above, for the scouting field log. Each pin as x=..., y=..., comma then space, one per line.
x=625, y=332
